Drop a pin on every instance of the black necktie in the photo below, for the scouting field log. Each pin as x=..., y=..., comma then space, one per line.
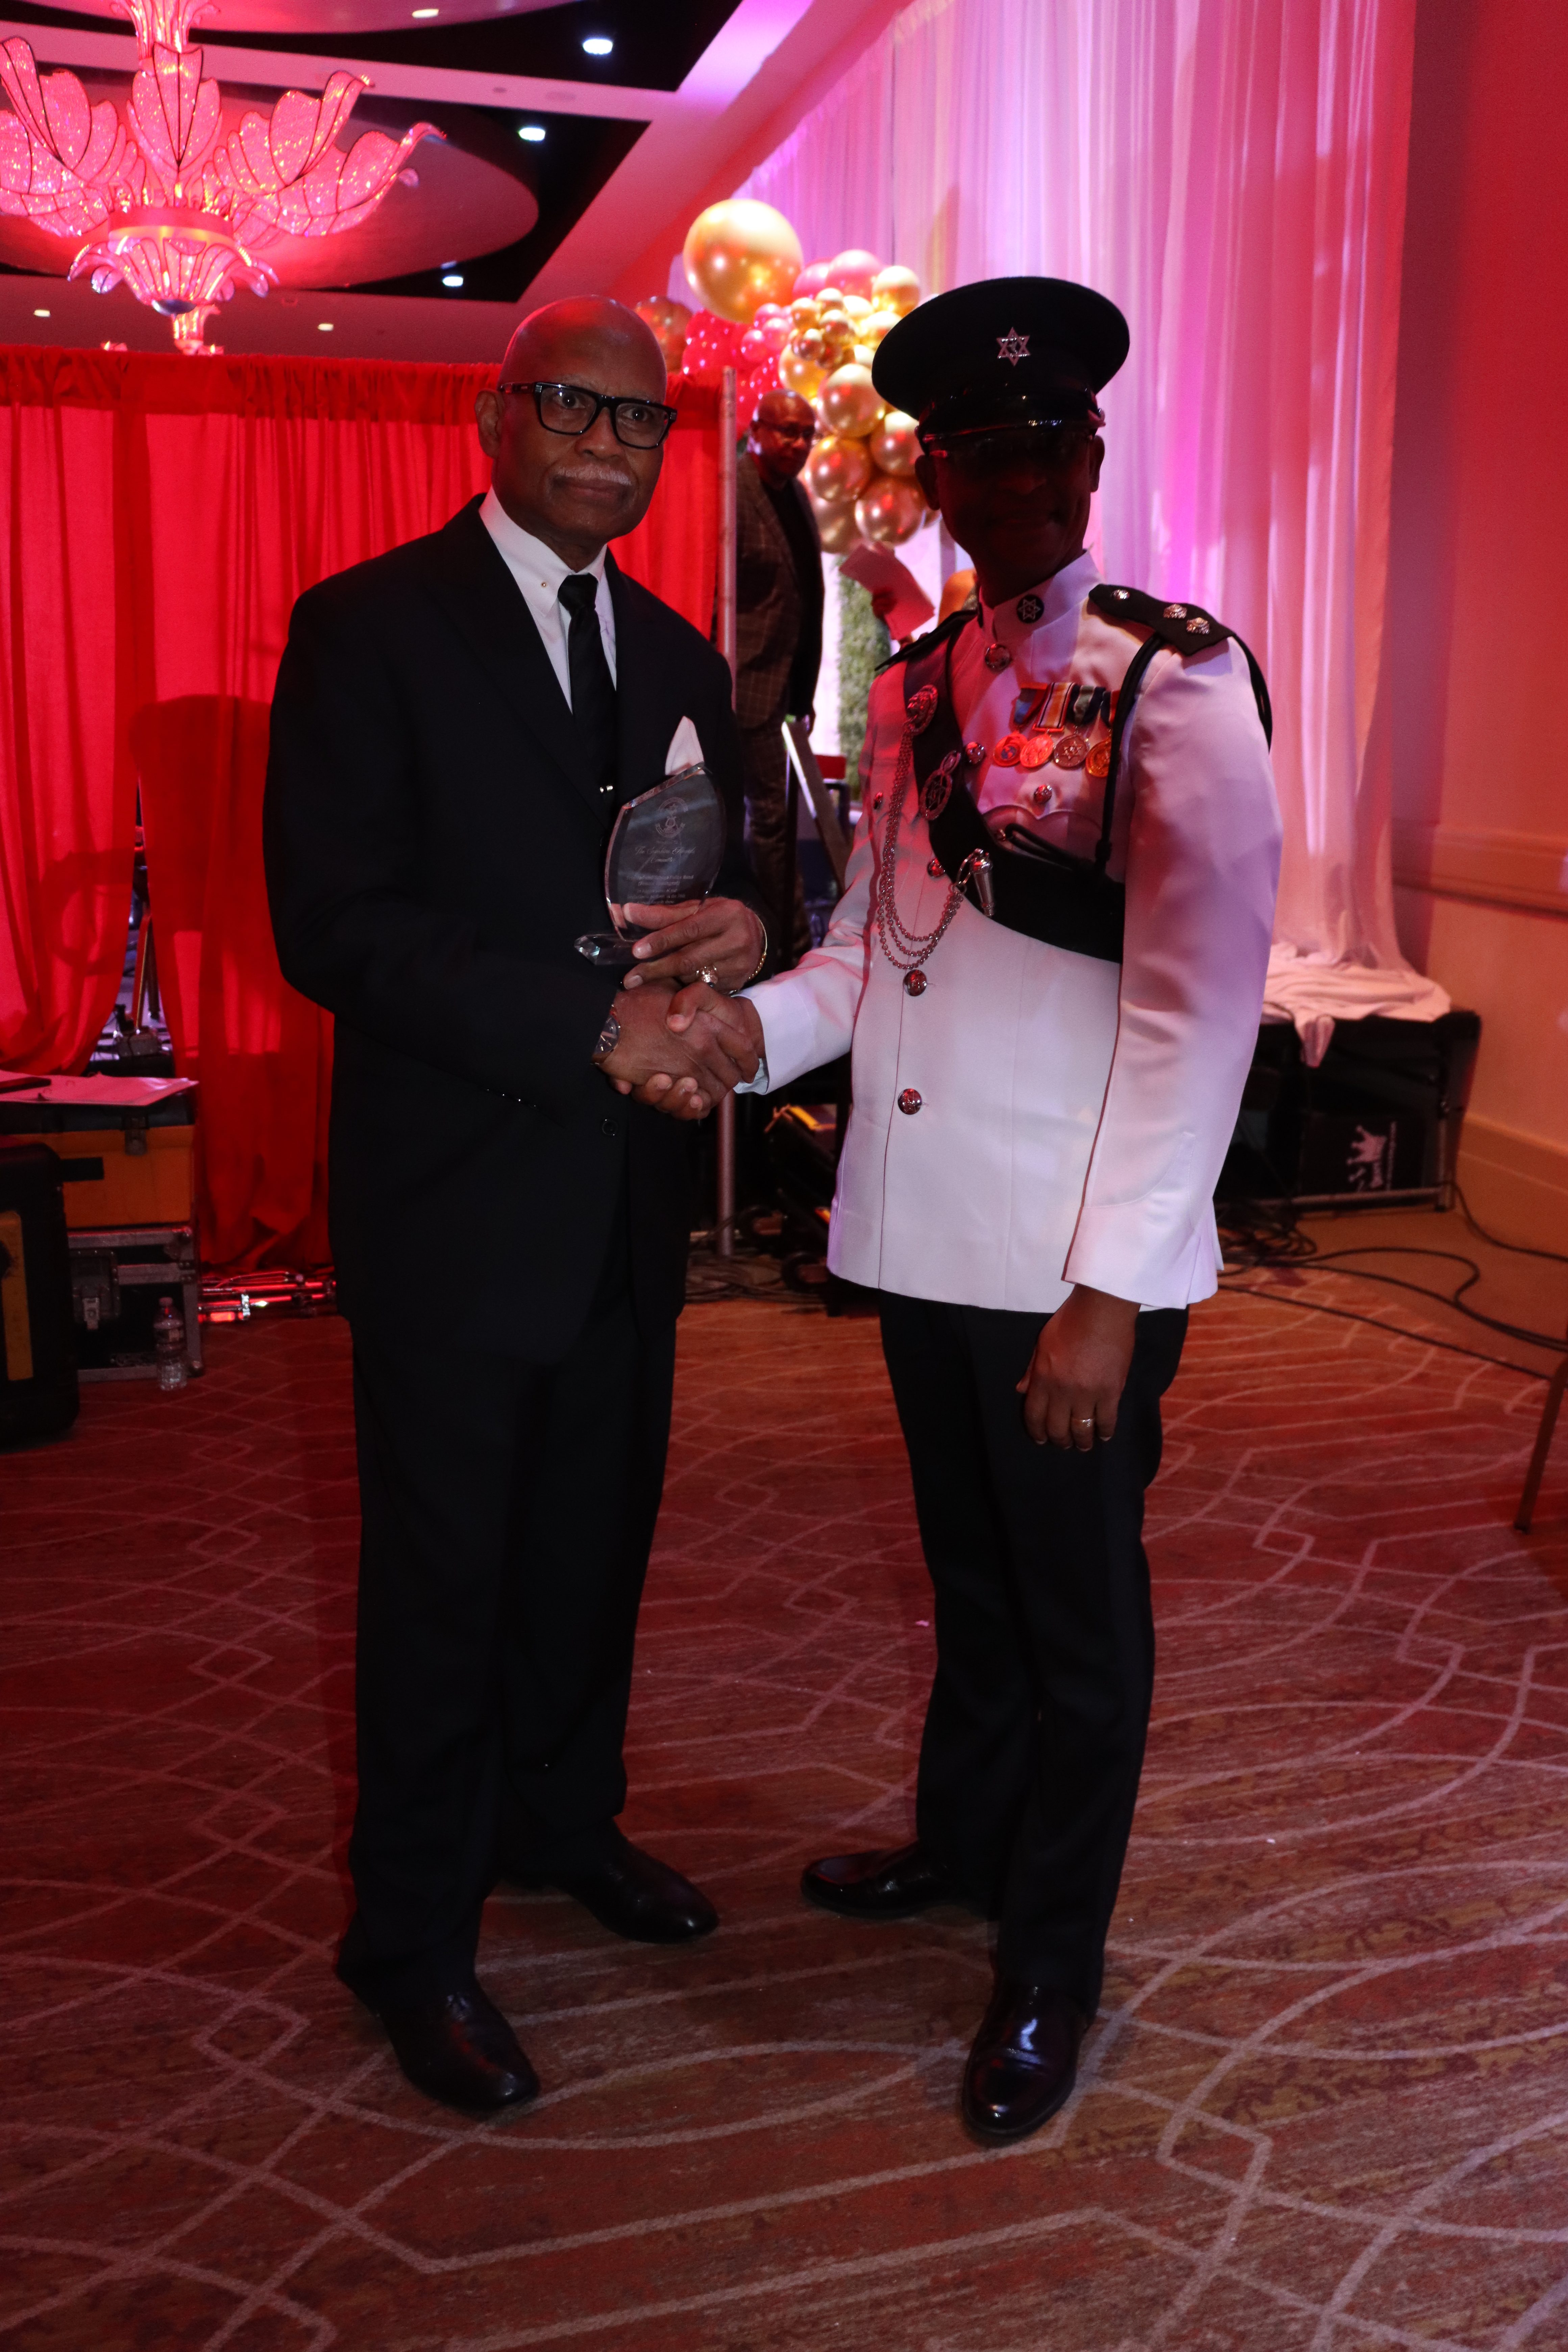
x=592, y=687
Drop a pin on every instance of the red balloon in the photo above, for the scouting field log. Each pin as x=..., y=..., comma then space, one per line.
x=813, y=278
x=712, y=344
x=754, y=386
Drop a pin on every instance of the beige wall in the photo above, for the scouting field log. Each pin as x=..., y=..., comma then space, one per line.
x=1472, y=717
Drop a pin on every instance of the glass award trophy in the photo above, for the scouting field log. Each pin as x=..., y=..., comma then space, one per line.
x=666, y=845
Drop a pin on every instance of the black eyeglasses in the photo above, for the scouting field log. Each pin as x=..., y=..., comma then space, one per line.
x=572, y=409
x=1057, y=439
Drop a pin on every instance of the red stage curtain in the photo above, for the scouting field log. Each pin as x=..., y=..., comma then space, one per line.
x=164, y=515
x=674, y=550
x=68, y=800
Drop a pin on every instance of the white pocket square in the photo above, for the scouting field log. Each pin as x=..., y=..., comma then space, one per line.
x=685, y=751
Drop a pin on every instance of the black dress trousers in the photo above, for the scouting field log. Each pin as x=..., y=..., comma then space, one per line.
x=1035, y=1732
x=508, y=1507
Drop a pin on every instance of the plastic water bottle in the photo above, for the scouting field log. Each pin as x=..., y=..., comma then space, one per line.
x=169, y=1336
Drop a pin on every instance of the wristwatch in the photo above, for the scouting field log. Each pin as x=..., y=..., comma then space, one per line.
x=609, y=1037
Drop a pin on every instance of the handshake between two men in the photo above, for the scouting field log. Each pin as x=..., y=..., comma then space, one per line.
x=682, y=1042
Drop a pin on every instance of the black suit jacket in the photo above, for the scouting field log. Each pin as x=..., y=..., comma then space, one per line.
x=431, y=857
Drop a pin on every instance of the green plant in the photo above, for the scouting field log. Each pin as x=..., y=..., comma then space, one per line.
x=864, y=646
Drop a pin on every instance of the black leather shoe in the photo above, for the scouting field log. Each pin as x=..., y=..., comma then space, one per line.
x=1025, y=2061
x=635, y=1895
x=457, y=2047
x=883, y=1886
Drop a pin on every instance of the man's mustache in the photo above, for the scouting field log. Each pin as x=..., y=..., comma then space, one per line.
x=599, y=477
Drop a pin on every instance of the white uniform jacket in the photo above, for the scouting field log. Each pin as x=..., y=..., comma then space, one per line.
x=1037, y=1117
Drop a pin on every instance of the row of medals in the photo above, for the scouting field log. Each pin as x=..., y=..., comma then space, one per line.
x=1042, y=743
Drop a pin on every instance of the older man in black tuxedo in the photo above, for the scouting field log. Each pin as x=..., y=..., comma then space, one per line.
x=454, y=725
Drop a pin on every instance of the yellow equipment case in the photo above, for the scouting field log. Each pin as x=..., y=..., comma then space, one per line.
x=127, y=1153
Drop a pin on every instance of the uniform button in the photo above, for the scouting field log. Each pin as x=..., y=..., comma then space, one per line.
x=609, y=1125
x=934, y=868
x=909, y=1101
x=876, y=800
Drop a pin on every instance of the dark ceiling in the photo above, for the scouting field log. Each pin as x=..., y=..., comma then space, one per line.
x=565, y=170
x=655, y=47
x=656, y=42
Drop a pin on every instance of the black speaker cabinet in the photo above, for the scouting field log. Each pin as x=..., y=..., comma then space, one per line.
x=1379, y=1118
x=37, y=1358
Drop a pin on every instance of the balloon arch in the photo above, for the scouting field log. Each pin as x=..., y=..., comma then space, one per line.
x=812, y=328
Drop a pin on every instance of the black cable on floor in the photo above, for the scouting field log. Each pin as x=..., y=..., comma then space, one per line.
x=1393, y=1330
x=1259, y=1234
x=1520, y=1249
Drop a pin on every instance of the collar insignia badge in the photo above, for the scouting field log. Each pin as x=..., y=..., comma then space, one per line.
x=1029, y=608
x=1012, y=346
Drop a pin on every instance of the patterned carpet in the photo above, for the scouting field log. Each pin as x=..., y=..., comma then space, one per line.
x=1326, y=2106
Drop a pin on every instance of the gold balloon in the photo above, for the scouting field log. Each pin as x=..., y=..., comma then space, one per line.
x=894, y=445
x=891, y=508
x=836, y=530
x=879, y=323
x=739, y=254
x=670, y=321
x=896, y=289
x=838, y=471
x=849, y=401
x=857, y=307
x=800, y=374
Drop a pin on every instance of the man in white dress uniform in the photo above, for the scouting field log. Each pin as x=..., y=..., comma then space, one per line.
x=1048, y=961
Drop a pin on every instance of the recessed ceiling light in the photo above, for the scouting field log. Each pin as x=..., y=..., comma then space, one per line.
x=451, y=277
x=41, y=314
x=532, y=131
x=598, y=45
x=323, y=326
x=427, y=11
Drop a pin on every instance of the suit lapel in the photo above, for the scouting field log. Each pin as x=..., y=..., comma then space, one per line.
x=645, y=695
x=767, y=515
x=483, y=599
x=802, y=498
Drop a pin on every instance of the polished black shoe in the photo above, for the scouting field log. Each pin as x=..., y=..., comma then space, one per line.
x=459, y=2048
x=1025, y=2061
x=635, y=1895
x=883, y=1886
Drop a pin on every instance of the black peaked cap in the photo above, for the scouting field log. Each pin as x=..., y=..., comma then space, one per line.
x=995, y=347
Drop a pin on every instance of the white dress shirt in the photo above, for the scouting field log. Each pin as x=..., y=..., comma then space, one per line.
x=1067, y=1116
x=539, y=572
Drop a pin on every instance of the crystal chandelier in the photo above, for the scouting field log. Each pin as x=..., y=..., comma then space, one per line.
x=168, y=201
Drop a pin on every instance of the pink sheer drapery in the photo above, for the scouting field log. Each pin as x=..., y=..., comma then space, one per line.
x=1233, y=177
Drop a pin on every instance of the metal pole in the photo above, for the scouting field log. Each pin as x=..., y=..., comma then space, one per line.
x=726, y=646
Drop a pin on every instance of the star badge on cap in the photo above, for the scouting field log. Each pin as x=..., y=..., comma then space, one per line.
x=1012, y=346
